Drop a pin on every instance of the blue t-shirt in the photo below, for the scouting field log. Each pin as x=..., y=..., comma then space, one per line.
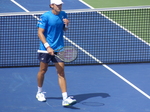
x=53, y=29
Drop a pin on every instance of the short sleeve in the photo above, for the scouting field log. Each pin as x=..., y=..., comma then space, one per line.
x=42, y=22
x=64, y=15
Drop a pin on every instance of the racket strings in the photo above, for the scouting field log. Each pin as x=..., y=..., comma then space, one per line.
x=68, y=54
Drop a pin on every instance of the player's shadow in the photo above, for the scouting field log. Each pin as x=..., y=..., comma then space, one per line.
x=82, y=97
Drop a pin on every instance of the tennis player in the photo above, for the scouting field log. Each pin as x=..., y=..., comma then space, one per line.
x=50, y=32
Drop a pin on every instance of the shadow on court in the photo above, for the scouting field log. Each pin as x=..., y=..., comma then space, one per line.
x=82, y=97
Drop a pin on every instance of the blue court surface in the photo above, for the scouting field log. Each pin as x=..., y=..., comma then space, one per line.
x=97, y=88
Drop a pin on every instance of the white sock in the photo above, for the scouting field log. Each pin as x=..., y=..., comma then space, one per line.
x=64, y=95
x=39, y=89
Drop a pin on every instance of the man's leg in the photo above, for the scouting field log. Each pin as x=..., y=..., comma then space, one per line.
x=40, y=75
x=61, y=76
x=40, y=79
x=62, y=83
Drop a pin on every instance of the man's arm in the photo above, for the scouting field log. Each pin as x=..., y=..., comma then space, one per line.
x=43, y=39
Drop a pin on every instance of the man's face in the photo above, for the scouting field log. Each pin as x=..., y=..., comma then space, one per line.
x=56, y=8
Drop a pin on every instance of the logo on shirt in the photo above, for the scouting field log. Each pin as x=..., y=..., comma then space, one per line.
x=40, y=21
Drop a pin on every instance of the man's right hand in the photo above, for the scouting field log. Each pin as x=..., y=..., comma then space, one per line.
x=50, y=51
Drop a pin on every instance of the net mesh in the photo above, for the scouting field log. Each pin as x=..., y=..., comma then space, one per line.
x=101, y=37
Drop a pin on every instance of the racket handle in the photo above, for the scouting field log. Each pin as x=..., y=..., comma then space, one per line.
x=41, y=51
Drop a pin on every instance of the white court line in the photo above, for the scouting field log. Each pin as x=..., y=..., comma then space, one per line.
x=110, y=69
x=19, y=5
x=107, y=67
x=23, y=8
x=86, y=4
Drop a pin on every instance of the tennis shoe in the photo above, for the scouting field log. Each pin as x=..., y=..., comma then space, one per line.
x=41, y=96
x=68, y=101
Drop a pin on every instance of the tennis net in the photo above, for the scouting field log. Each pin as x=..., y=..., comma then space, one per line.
x=101, y=36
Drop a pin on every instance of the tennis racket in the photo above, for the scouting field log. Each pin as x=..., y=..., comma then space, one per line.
x=66, y=54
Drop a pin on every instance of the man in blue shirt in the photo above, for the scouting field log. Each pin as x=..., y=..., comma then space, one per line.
x=50, y=32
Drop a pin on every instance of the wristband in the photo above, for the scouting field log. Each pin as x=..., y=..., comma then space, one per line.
x=46, y=45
